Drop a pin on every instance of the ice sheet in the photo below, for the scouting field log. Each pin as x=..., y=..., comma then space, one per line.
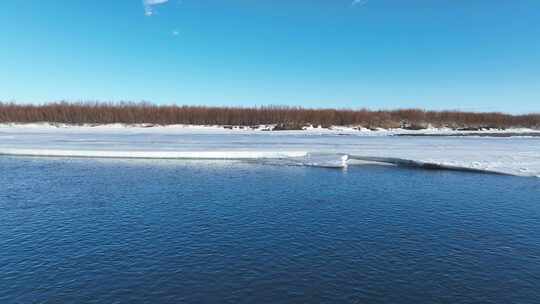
x=316, y=147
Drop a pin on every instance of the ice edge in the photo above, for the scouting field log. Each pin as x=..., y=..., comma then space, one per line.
x=302, y=158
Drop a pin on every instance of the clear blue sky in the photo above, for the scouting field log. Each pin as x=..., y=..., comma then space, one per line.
x=437, y=54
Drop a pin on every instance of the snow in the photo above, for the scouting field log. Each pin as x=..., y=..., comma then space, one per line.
x=335, y=147
x=149, y=128
x=155, y=154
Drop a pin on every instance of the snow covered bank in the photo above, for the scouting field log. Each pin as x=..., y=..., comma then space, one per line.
x=315, y=147
x=344, y=130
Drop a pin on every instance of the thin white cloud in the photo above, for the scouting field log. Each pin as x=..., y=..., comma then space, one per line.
x=359, y=2
x=149, y=6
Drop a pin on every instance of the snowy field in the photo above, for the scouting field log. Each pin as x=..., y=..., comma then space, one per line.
x=336, y=147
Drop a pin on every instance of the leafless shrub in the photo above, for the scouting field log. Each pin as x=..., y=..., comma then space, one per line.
x=288, y=117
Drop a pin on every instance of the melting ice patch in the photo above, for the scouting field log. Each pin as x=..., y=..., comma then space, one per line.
x=323, y=160
x=292, y=158
x=232, y=155
x=283, y=158
x=423, y=164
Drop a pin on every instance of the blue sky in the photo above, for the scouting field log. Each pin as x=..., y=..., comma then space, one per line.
x=435, y=54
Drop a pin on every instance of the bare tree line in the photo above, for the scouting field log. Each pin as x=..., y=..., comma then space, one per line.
x=289, y=117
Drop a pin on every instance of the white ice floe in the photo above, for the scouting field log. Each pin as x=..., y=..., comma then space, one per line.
x=314, y=147
x=155, y=154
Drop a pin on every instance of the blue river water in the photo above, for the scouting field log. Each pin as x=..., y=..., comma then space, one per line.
x=126, y=231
